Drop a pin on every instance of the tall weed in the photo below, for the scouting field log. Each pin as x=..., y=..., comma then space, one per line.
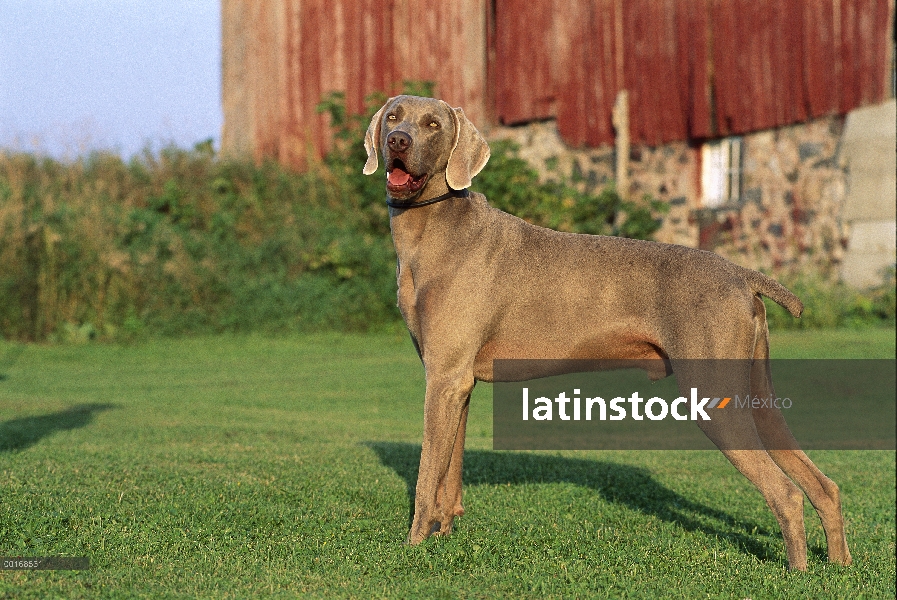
x=182, y=242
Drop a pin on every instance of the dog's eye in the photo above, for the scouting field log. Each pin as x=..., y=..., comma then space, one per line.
x=391, y=117
x=434, y=124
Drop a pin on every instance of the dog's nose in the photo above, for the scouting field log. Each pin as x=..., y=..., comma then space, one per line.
x=398, y=141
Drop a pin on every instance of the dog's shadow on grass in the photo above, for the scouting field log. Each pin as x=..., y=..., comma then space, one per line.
x=628, y=485
x=24, y=432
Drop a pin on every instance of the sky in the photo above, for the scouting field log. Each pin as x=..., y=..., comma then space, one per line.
x=120, y=75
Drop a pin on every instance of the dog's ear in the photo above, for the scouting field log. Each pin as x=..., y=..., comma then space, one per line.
x=469, y=152
x=372, y=140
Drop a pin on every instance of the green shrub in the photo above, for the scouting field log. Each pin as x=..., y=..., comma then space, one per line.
x=835, y=304
x=512, y=185
x=182, y=242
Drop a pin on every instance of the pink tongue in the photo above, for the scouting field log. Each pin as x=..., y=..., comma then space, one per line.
x=398, y=177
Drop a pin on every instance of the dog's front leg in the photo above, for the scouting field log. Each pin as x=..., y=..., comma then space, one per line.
x=444, y=407
x=448, y=498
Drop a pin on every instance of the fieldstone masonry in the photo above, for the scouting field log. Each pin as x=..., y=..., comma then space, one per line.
x=666, y=172
x=789, y=218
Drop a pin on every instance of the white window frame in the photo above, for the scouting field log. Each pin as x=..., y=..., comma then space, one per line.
x=720, y=172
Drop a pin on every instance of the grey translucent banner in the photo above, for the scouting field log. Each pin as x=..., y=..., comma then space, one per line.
x=613, y=405
x=44, y=563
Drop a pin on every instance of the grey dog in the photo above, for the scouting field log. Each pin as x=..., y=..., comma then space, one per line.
x=477, y=284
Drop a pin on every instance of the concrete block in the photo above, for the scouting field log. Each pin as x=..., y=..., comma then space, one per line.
x=871, y=249
x=879, y=121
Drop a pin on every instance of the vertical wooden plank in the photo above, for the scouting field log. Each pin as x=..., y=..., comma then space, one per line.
x=444, y=43
x=365, y=39
x=638, y=66
x=586, y=83
x=798, y=105
x=605, y=67
x=748, y=85
x=652, y=72
x=527, y=66
x=292, y=140
x=693, y=47
x=491, y=89
x=821, y=69
x=848, y=55
x=675, y=123
x=620, y=118
x=871, y=41
x=781, y=82
x=574, y=82
x=890, y=45
x=508, y=91
x=308, y=124
x=721, y=26
x=263, y=75
x=236, y=137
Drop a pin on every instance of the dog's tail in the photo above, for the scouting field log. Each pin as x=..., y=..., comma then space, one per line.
x=771, y=288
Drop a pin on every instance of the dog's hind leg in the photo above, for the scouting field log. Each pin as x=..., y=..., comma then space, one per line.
x=444, y=408
x=822, y=492
x=448, y=498
x=782, y=496
x=734, y=433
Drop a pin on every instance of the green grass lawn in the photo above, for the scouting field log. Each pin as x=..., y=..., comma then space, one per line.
x=237, y=467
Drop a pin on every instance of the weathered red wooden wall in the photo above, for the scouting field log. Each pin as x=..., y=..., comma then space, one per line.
x=693, y=68
x=796, y=60
x=300, y=50
x=665, y=60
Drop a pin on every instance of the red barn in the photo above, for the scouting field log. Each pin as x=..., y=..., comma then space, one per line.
x=755, y=78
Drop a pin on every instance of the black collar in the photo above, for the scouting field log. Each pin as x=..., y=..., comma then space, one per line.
x=450, y=194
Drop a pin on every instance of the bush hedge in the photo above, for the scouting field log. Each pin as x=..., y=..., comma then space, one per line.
x=834, y=304
x=184, y=241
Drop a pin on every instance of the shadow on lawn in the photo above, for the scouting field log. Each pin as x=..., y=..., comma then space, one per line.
x=631, y=486
x=21, y=433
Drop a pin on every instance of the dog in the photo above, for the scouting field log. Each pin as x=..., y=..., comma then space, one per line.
x=477, y=284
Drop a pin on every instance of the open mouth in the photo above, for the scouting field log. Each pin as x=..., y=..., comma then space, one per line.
x=400, y=183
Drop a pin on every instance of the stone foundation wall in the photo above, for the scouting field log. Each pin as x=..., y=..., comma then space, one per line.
x=787, y=219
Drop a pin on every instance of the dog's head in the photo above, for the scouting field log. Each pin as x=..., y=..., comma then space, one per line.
x=423, y=138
